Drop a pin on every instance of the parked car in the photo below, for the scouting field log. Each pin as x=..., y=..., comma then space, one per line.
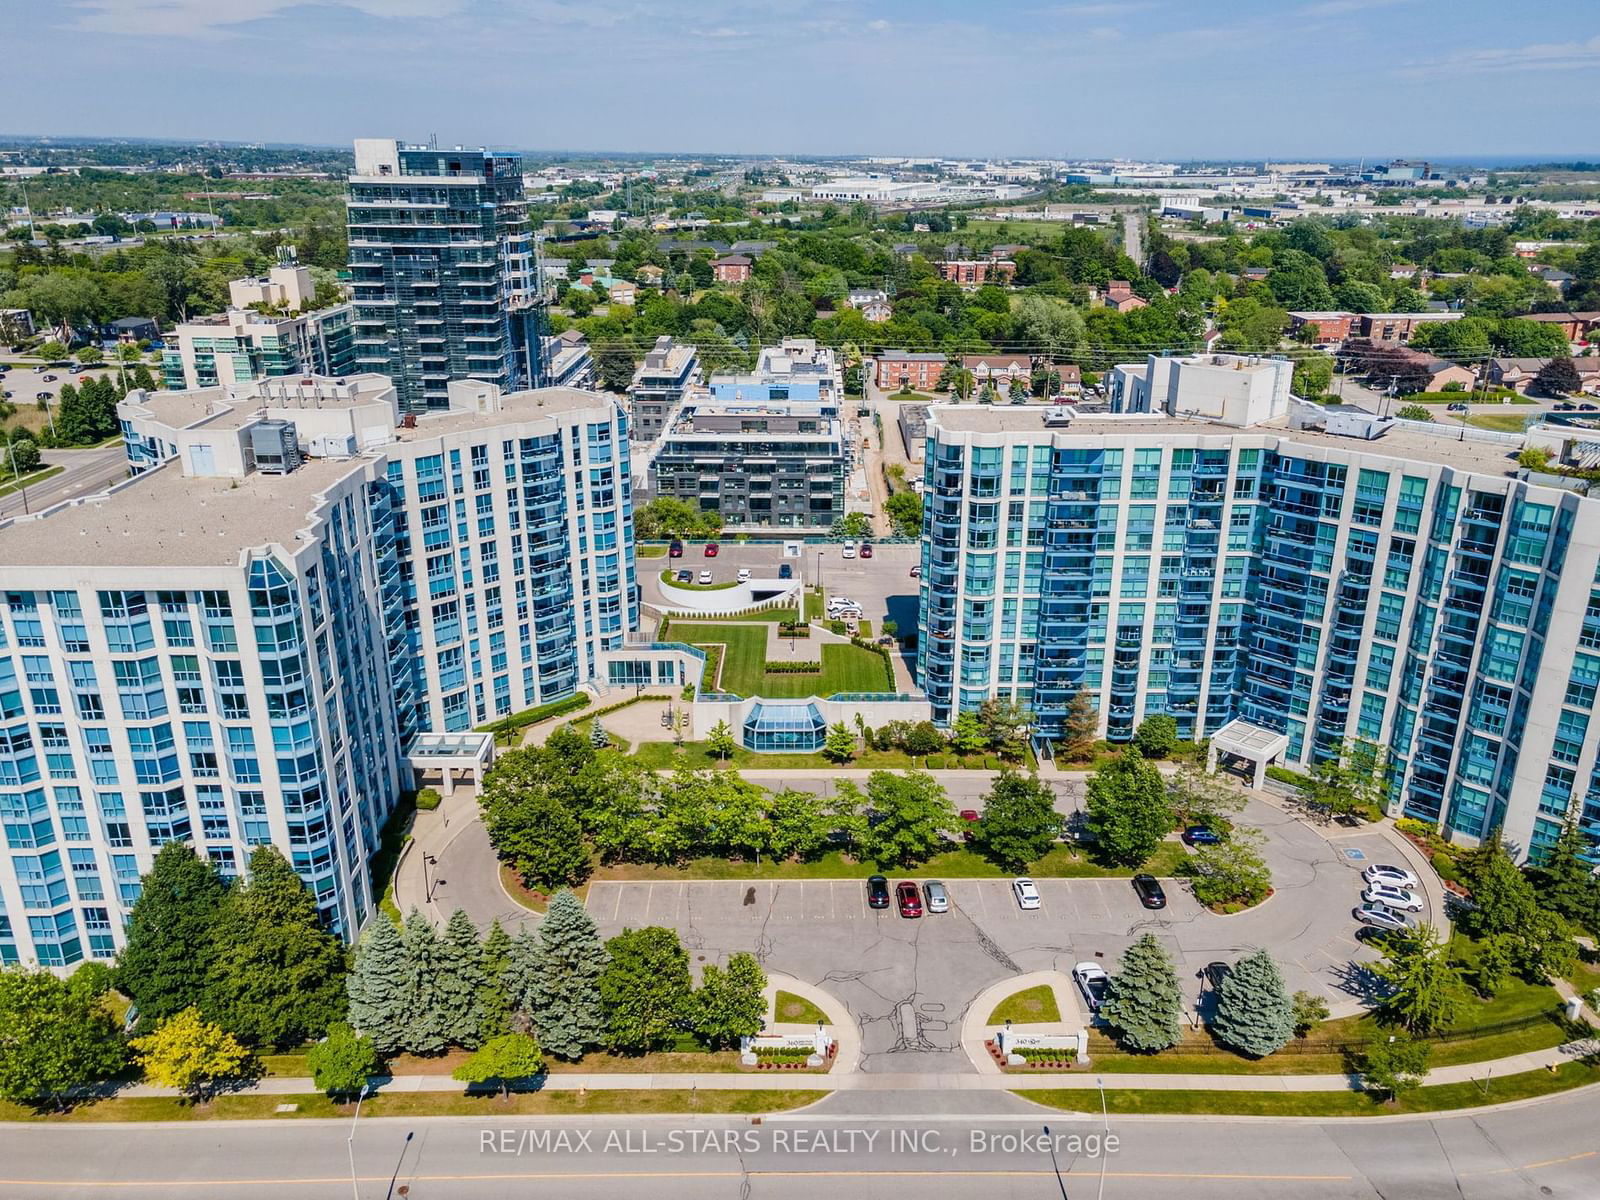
x=1455, y=408
x=41, y=395
x=1382, y=917
x=969, y=818
x=908, y=898
x=1213, y=973
x=1393, y=876
x=1588, y=407
x=675, y=549
x=685, y=576
x=841, y=602
x=877, y=892
x=916, y=571
x=744, y=575
x=848, y=551
x=969, y=814
x=51, y=378
x=1148, y=889
x=711, y=549
x=1092, y=982
x=705, y=577
x=1394, y=897
x=1026, y=892
x=1199, y=835
x=938, y=899
x=785, y=571
x=866, y=550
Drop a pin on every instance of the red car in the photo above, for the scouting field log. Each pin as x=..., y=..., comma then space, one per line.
x=866, y=550
x=711, y=549
x=971, y=817
x=675, y=550
x=908, y=898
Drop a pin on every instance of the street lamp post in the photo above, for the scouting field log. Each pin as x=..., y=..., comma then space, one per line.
x=1051, y=1142
x=350, y=1142
x=428, y=860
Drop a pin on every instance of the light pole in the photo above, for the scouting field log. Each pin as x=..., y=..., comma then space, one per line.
x=1051, y=1142
x=350, y=1142
x=16, y=472
x=428, y=860
x=1105, y=1133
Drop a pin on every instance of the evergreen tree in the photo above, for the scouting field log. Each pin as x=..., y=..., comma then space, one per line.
x=840, y=743
x=1426, y=991
x=598, y=737
x=1566, y=884
x=461, y=982
x=496, y=958
x=74, y=420
x=1143, y=1001
x=163, y=966
x=1080, y=728
x=379, y=987
x=1255, y=1014
x=644, y=989
x=1503, y=900
x=428, y=1025
x=729, y=1004
x=555, y=978
x=277, y=977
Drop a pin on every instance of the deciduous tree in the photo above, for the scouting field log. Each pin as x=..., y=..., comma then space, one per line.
x=644, y=989
x=1394, y=1064
x=1156, y=736
x=728, y=1004
x=343, y=1061
x=163, y=966
x=1128, y=810
x=509, y=1057
x=189, y=1053
x=55, y=1036
x=1020, y=823
x=912, y=814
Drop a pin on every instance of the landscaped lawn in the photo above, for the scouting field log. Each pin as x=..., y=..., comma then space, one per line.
x=1319, y=1104
x=649, y=550
x=668, y=576
x=1323, y=1052
x=1503, y=422
x=1029, y=1006
x=962, y=863
x=845, y=668
x=796, y=1010
x=666, y=756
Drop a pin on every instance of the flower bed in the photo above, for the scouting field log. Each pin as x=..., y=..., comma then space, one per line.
x=1041, y=1059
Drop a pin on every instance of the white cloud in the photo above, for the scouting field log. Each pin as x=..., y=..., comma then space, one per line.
x=1339, y=8
x=209, y=18
x=878, y=26
x=1109, y=9
x=1540, y=56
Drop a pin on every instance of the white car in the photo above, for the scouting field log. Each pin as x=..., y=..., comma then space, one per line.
x=705, y=577
x=1381, y=916
x=744, y=575
x=935, y=896
x=1026, y=892
x=1092, y=981
x=1397, y=877
x=849, y=550
x=841, y=602
x=1393, y=897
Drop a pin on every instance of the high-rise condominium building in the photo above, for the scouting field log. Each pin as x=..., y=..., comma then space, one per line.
x=1313, y=577
x=442, y=269
x=249, y=643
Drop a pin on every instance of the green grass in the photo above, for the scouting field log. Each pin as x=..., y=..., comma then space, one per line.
x=1029, y=1006
x=1502, y=422
x=1324, y=1051
x=667, y=577
x=427, y=1104
x=666, y=756
x=957, y=863
x=621, y=744
x=649, y=550
x=796, y=1010
x=845, y=668
x=1438, y=1098
x=29, y=480
x=816, y=604
x=770, y=616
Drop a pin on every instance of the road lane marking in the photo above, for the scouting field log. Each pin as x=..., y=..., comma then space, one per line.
x=1534, y=1166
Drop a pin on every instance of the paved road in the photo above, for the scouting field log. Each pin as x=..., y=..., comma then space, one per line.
x=930, y=1147
x=1133, y=237
x=85, y=472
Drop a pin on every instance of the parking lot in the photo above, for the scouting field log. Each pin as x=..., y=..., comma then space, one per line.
x=909, y=981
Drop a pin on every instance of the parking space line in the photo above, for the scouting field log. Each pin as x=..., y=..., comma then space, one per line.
x=617, y=906
x=833, y=907
x=983, y=904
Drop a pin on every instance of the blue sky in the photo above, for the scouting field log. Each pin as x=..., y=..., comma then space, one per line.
x=1168, y=78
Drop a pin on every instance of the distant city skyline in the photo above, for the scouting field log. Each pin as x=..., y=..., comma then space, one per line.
x=1137, y=78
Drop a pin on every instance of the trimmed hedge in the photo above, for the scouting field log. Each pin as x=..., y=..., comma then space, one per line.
x=506, y=726
x=793, y=668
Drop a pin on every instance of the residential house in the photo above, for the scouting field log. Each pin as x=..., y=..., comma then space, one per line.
x=905, y=249
x=1519, y=374
x=998, y=369
x=132, y=329
x=623, y=292
x=1009, y=250
x=872, y=303
x=1255, y=274
x=16, y=324
x=649, y=275
x=1440, y=372
x=1071, y=379
x=731, y=268
x=877, y=311
x=918, y=370
x=1119, y=294
x=1560, y=280
x=1404, y=271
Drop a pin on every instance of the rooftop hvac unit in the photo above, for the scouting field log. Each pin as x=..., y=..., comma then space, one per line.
x=274, y=447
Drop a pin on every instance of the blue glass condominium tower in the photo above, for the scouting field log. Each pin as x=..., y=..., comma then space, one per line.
x=241, y=644
x=1399, y=586
x=442, y=271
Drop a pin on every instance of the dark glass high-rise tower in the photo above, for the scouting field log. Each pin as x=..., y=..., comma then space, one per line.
x=441, y=260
